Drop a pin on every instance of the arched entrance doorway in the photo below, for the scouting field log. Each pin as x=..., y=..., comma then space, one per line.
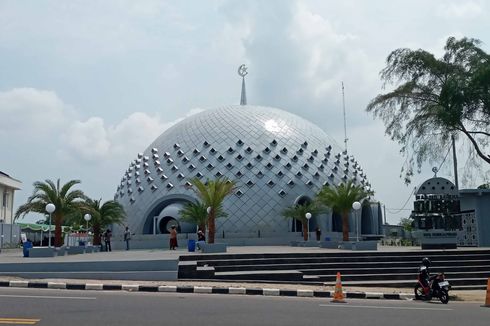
x=166, y=223
x=165, y=213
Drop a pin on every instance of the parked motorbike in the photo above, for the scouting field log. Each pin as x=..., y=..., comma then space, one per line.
x=437, y=287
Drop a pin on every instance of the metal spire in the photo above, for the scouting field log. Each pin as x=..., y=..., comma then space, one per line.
x=242, y=71
x=345, y=123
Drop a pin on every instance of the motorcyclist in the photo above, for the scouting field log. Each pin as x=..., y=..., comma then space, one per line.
x=431, y=285
x=424, y=274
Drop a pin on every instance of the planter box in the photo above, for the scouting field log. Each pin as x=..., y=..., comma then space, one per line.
x=213, y=248
x=37, y=252
x=92, y=249
x=60, y=251
x=310, y=243
x=367, y=245
x=75, y=250
x=350, y=245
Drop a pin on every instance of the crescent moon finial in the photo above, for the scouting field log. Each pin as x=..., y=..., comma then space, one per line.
x=242, y=70
x=435, y=170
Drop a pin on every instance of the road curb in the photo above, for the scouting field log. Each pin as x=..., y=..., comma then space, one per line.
x=205, y=290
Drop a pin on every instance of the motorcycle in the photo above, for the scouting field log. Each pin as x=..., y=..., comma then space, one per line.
x=437, y=287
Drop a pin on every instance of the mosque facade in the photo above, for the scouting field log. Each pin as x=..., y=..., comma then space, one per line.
x=276, y=158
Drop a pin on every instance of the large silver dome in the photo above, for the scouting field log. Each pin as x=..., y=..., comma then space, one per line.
x=276, y=158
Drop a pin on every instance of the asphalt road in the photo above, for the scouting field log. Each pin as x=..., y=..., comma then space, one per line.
x=69, y=307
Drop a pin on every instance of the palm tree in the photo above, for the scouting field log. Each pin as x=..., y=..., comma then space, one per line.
x=212, y=194
x=103, y=215
x=67, y=203
x=195, y=213
x=340, y=199
x=298, y=212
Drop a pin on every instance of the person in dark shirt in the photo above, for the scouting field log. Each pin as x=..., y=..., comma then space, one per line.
x=424, y=272
x=127, y=237
x=107, y=240
x=201, y=239
x=318, y=234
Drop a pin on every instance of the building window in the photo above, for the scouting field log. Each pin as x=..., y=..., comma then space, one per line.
x=5, y=199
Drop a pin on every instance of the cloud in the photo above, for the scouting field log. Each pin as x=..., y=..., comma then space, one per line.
x=92, y=140
x=73, y=30
x=31, y=110
x=328, y=55
x=298, y=58
x=88, y=139
x=28, y=113
x=459, y=10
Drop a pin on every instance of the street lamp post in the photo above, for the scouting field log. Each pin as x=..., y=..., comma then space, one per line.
x=308, y=216
x=356, y=206
x=50, y=208
x=87, y=217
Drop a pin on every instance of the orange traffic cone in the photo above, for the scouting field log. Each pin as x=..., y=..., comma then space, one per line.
x=338, y=295
x=487, y=299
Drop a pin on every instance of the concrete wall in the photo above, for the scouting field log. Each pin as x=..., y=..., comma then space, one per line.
x=119, y=270
x=149, y=241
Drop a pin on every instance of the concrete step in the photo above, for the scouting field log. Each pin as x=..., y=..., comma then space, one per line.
x=462, y=267
x=418, y=253
x=399, y=276
x=354, y=259
x=393, y=270
x=459, y=278
x=440, y=265
x=261, y=275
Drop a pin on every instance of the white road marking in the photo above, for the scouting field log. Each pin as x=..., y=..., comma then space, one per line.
x=383, y=307
x=45, y=297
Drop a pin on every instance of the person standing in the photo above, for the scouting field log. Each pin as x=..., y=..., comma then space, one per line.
x=127, y=237
x=107, y=239
x=318, y=234
x=173, y=238
x=201, y=239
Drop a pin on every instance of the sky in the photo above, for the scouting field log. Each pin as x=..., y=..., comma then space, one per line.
x=85, y=85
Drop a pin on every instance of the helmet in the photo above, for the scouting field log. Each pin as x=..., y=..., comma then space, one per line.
x=426, y=262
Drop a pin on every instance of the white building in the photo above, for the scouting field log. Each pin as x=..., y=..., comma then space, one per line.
x=8, y=186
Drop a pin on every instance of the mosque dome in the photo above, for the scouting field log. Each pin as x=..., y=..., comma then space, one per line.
x=437, y=186
x=277, y=159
